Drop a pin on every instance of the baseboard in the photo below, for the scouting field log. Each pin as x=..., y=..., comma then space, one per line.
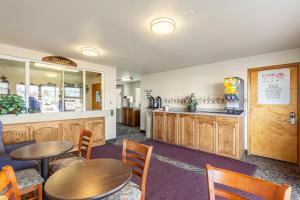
x=111, y=140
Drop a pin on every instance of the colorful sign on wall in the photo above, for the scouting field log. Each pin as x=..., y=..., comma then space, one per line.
x=274, y=86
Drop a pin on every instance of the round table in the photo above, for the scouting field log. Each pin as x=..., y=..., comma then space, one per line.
x=42, y=151
x=93, y=179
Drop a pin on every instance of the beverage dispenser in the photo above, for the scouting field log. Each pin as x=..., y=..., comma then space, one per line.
x=234, y=95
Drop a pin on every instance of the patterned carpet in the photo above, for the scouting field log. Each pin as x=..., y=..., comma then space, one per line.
x=268, y=169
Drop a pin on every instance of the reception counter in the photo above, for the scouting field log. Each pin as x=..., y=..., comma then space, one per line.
x=54, y=126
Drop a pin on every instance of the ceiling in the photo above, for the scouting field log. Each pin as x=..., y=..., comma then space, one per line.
x=219, y=30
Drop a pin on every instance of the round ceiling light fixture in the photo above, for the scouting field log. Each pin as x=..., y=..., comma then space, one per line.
x=163, y=25
x=89, y=51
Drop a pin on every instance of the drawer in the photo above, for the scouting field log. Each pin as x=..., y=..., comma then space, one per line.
x=206, y=118
x=227, y=119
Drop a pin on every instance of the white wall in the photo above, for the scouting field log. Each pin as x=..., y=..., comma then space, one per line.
x=207, y=80
x=109, y=80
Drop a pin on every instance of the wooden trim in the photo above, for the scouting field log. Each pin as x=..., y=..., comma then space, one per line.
x=297, y=116
x=297, y=64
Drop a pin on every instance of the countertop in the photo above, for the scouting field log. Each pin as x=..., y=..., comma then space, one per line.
x=134, y=108
x=39, y=117
x=212, y=112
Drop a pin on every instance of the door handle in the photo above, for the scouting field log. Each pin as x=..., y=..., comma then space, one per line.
x=292, y=118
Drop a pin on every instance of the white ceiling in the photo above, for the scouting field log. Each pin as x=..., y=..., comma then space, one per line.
x=220, y=30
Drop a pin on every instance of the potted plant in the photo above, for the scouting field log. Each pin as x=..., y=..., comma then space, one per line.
x=191, y=102
x=12, y=104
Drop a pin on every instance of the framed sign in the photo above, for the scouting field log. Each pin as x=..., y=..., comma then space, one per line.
x=274, y=86
x=59, y=60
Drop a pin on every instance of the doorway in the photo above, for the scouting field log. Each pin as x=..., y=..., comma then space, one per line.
x=273, y=112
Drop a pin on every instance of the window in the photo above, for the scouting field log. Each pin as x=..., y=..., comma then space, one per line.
x=45, y=92
x=94, y=98
x=73, y=91
x=11, y=75
x=52, y=88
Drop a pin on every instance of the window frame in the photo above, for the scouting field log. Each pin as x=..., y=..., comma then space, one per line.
x=27, y=62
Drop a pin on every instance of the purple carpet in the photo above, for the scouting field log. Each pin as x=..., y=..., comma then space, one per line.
x=200, y=158
x=164, y=181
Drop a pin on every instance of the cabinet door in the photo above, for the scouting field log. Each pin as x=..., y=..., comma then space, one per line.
x=45, y=131
x=206, y=135
x=71, y=130
x=187, y=130
x=158, y=126
x=96, y=125
x=125, y=116
x=226, y=138
x=15, y=133
x=171, y=128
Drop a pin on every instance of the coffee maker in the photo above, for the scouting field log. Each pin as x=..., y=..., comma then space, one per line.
x=234, y=95
x=155, y=102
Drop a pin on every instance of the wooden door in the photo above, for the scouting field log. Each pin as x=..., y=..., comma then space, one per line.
x=187, y=130
x=158, y=126
x=171, y=128
x=271, y=134
x=96, y=96
x=226, y=138
x=206, y=134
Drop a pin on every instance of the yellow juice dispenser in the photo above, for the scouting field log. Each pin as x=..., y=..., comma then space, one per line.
x=234, y=95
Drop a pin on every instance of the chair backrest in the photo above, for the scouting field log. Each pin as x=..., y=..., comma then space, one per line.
x=242, y=182
x=138, y=157
x=85, y=143
x=8, y=183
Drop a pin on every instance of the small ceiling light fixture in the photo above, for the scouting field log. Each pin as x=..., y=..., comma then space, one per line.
x=89, y=51
x=163, y=25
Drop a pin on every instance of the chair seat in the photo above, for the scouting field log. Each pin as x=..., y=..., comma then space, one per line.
x=130, y=192
x=28, y=178
x=61, y=163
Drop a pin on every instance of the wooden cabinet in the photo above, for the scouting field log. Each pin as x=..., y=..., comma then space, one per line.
x=97, y=127
x=71, y=130
x=226, y=138
x=215, y=134
x=171, y=128
x=131, y=116
x=205, y=130
x=158, y=126
x=15, y=133
x=46, y=131
x=68, y=130
x=187, y=130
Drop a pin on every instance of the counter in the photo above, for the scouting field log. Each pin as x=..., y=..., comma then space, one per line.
x=211, y=112
x=54, y=126
x=40, y=117
x=216, y=133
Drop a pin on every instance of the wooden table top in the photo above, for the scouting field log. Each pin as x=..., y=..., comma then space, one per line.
x=93, y=179
x=41, y=150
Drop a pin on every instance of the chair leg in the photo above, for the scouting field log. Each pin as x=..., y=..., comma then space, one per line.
x=40, y=192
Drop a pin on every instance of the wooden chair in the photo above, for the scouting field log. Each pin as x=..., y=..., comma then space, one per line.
x=14, y=185
x=8, y=183
x=84, y=147
x=138, y=157
x=242, y=182
x=85, y=143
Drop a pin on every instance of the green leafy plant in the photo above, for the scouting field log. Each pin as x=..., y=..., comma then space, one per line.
x=191, y=100
x=12, y=104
